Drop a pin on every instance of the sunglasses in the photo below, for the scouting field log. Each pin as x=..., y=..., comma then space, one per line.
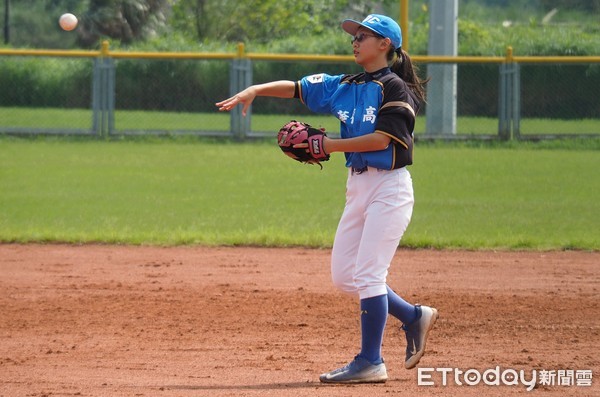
x=361, y=36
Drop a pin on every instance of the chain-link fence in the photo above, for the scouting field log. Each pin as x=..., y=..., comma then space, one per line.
x=558, y=99
x=46, y=95
x=116, y=93
x=170, y=96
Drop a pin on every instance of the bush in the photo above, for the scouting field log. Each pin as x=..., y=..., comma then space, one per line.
x=45, y=82
x=170, y=85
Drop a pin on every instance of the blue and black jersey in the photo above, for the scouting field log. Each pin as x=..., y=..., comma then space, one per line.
x=366, y=103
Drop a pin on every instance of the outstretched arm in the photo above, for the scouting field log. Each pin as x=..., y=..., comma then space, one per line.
x=279, y=89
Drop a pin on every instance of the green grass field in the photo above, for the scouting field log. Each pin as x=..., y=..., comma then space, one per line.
x=44, y=118
x=198, y=191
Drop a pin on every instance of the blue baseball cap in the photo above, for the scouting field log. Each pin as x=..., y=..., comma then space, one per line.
x=380, y=24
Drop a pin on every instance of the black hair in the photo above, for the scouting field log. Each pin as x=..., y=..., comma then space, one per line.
x=403, y=67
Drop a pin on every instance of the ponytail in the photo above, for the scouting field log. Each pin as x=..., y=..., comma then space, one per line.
x=403, y=67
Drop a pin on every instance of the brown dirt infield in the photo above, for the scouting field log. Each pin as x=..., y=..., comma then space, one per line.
x=99, y=320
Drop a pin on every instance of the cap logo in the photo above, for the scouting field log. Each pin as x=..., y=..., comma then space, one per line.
x=371, y=19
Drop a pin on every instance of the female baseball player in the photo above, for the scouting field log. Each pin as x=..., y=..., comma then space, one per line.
x=377, y=110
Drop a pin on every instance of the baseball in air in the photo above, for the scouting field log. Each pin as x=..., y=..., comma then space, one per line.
x=68, y=21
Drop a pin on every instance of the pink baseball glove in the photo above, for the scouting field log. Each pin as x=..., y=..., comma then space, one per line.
x=302, y=142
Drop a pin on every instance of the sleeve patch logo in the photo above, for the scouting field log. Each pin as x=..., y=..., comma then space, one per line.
x=315, y=78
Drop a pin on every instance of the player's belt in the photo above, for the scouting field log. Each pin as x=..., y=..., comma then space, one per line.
x=356, y=171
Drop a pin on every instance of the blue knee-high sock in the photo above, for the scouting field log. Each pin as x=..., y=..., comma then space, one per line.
x=400, y=308
x=374, y=312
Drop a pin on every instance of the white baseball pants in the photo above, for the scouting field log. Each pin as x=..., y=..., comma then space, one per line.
x=378, y=209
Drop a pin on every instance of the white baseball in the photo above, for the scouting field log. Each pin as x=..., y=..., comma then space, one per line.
x=68, y=21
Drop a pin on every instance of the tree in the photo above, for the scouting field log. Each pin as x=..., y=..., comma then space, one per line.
x=6, y=21
x=583, y=5
x=264, y=20
x=123, y=20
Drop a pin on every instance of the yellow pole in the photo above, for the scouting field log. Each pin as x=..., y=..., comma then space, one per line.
x=241, y=50
x=404, y=23
x=509, y=54
x=105, y=48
